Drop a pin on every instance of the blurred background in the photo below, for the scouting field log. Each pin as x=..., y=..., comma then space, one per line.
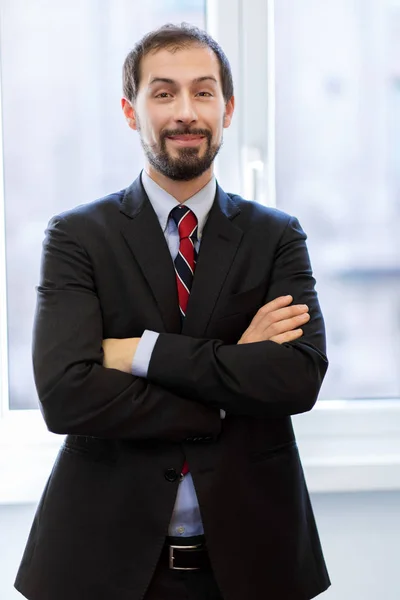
x=316, y=134
x=336, y=153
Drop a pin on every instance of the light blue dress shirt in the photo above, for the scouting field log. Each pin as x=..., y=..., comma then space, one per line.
x=186, y=519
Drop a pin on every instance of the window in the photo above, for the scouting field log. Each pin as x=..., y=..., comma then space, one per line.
x=319, y=115
x=319, y=129
x=337, y=158
x=315, y=132
x=64, y=137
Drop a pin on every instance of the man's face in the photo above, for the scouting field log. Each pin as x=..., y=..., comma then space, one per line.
x=180, y=111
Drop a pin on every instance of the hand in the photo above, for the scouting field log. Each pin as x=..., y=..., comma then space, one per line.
x=277, y=322
x=118, y=354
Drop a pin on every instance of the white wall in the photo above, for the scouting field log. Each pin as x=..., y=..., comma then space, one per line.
x=15, y=523
x=360, y=533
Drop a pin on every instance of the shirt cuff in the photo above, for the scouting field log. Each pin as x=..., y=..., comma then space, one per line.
x=222, y=413
x=144, y=350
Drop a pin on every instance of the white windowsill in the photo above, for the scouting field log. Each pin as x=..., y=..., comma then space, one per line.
x=344, y=446
x=351, y=445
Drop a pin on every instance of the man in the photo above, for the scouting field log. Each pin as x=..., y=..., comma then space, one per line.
x=177, y=330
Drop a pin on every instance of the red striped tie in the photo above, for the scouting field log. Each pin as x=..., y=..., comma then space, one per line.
x=185, y=263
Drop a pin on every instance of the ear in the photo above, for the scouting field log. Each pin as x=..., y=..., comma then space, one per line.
x=229, y=109
x=129, y=113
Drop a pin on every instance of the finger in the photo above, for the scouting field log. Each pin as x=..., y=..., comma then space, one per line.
x=285, y=325
x=265, y=318
x=287, y=313
x=272, y=306
x=272, y=330
x=287, y=337
x=279, y=302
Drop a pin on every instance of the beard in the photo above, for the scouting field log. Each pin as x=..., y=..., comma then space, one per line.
x=188, y=164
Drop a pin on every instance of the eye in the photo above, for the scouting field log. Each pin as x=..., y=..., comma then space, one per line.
x=163, y=95
x=205, y=94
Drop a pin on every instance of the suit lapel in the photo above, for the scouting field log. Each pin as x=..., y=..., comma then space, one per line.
x=144, y=236
x=220, y=241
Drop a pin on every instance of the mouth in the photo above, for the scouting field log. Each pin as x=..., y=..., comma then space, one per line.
x=186, y=140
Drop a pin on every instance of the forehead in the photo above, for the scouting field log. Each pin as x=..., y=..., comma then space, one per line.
x=182, y=65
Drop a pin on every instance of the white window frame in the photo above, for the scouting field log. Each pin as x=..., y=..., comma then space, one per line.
x=345, y=445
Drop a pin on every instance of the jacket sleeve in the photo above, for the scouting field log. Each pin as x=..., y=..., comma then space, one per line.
x=260, y=379
x=77, y=395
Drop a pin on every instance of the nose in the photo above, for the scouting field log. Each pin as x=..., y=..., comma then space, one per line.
x=185, y=110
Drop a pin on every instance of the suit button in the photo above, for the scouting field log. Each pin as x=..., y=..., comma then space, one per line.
x=189, y=439
x=207, y=438
x=171, y=475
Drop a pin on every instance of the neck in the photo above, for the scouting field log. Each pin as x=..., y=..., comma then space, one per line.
x=180, y=190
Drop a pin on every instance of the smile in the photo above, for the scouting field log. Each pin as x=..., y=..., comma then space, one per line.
x=187, y=140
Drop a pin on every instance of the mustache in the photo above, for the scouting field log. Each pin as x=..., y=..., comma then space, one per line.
x=171, y=132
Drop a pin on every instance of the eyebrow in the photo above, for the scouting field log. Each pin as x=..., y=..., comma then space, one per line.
x=173, y=82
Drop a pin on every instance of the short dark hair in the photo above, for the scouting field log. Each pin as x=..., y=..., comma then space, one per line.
x=173, y=37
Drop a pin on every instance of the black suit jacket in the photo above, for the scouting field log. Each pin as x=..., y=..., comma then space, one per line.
x=104, y=514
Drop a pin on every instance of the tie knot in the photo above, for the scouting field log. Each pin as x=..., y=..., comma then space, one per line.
x=186, y=221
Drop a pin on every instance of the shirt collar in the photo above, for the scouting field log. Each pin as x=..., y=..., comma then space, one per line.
x=162, y=202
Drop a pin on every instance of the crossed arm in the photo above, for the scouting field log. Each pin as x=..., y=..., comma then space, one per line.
x=85, y=385
x=276, y=321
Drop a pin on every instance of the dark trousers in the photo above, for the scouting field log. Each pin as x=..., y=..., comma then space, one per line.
x=168, y=584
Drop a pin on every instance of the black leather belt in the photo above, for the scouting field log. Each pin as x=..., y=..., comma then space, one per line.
x=186, y=554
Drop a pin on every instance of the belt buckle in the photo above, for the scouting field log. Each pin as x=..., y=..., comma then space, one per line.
x=172, y=558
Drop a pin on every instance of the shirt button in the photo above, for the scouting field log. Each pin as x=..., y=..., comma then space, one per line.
x=180, y=529
x=171, y=475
